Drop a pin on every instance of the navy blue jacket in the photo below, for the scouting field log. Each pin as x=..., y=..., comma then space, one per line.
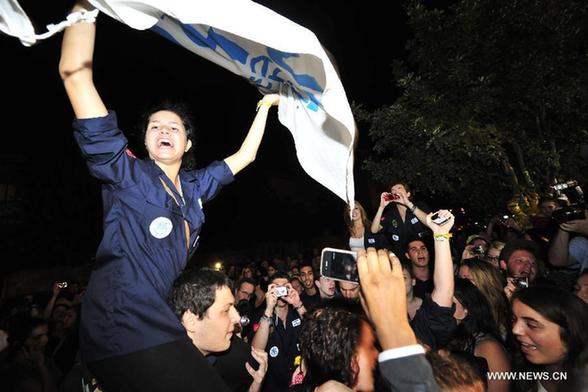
x=144, y=245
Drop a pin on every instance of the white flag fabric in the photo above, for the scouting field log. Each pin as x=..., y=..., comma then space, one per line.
x=275, y=55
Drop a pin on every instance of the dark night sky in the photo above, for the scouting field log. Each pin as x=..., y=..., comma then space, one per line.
x=59, y=214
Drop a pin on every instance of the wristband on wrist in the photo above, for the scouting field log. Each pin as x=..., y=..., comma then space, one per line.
x=299, y=306
x=265, y=318
x=442, y=237
x=413, y=209
x=263, y=103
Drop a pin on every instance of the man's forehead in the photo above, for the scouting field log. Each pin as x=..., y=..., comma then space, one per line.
x=247, y=286
x=521, y=254
x=280, y=281
x=416, y=244
x=223, y=296
x=348, y=285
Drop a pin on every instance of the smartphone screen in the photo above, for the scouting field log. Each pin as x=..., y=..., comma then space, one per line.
x=339, y=264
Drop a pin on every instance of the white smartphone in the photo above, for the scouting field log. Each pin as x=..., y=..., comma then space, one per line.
x=339, y=264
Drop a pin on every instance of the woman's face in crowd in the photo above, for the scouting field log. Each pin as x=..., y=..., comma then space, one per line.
x=247, y=273
x=367, y=356
x=355, y=214
x=540, y=339
x=581, y=288
x=165, y=137
x=493, y=257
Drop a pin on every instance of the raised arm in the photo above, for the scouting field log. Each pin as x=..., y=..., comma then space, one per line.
x=246, y=154
x=75, y=68
x=376, y=227
x=443, y=279
x=261, y=336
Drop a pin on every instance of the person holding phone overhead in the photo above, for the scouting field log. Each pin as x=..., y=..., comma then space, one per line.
x=129, y=337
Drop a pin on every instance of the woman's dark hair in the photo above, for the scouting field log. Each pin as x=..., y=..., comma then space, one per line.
x=182, y=110
x=329, y=339
x=479, y=319
x=563, y=309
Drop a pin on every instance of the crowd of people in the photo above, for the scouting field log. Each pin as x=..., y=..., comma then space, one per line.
x=428, y=312
x=470, y=314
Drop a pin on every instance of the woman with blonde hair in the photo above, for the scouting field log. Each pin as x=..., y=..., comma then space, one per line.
x=358, y=224
x=490, y=283
x=493, y=253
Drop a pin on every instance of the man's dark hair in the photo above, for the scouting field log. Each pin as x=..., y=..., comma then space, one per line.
x=278, y=275
x=400, y=182
x=515, y=245
x=306, y=264
x=329, y=339
x=240, y=282
x=425, y=240
x=195, y=290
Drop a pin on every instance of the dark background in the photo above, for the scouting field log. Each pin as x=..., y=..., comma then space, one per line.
x=50, y=207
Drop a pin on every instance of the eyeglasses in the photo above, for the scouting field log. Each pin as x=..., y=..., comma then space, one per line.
x=492, y=258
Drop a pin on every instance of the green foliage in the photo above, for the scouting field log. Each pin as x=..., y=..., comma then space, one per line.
x=494, y=100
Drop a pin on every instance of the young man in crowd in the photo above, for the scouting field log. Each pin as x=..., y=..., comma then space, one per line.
x=418, y=253
x=276, y=331
x=310, y=295
x=349, y=290
x=519, y=262
x=204, y=302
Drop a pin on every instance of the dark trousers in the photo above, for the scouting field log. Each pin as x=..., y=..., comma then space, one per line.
x=177, y=366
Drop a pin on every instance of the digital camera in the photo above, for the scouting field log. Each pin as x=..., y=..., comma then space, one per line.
x=573, y=211
x=281, y=291
x=391, y=196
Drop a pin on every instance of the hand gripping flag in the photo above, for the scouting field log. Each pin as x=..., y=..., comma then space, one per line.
x=272, y=52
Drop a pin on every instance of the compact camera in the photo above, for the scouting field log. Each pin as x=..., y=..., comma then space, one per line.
x=573, y=211
x=281, y=291
x=62, y=285
x=391, y=196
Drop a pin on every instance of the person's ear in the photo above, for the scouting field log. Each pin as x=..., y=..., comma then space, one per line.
x=188, y=145
x=189, y=320
x=413, y=281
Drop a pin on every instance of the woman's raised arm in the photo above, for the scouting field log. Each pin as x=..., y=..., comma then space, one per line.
x=75, y=68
